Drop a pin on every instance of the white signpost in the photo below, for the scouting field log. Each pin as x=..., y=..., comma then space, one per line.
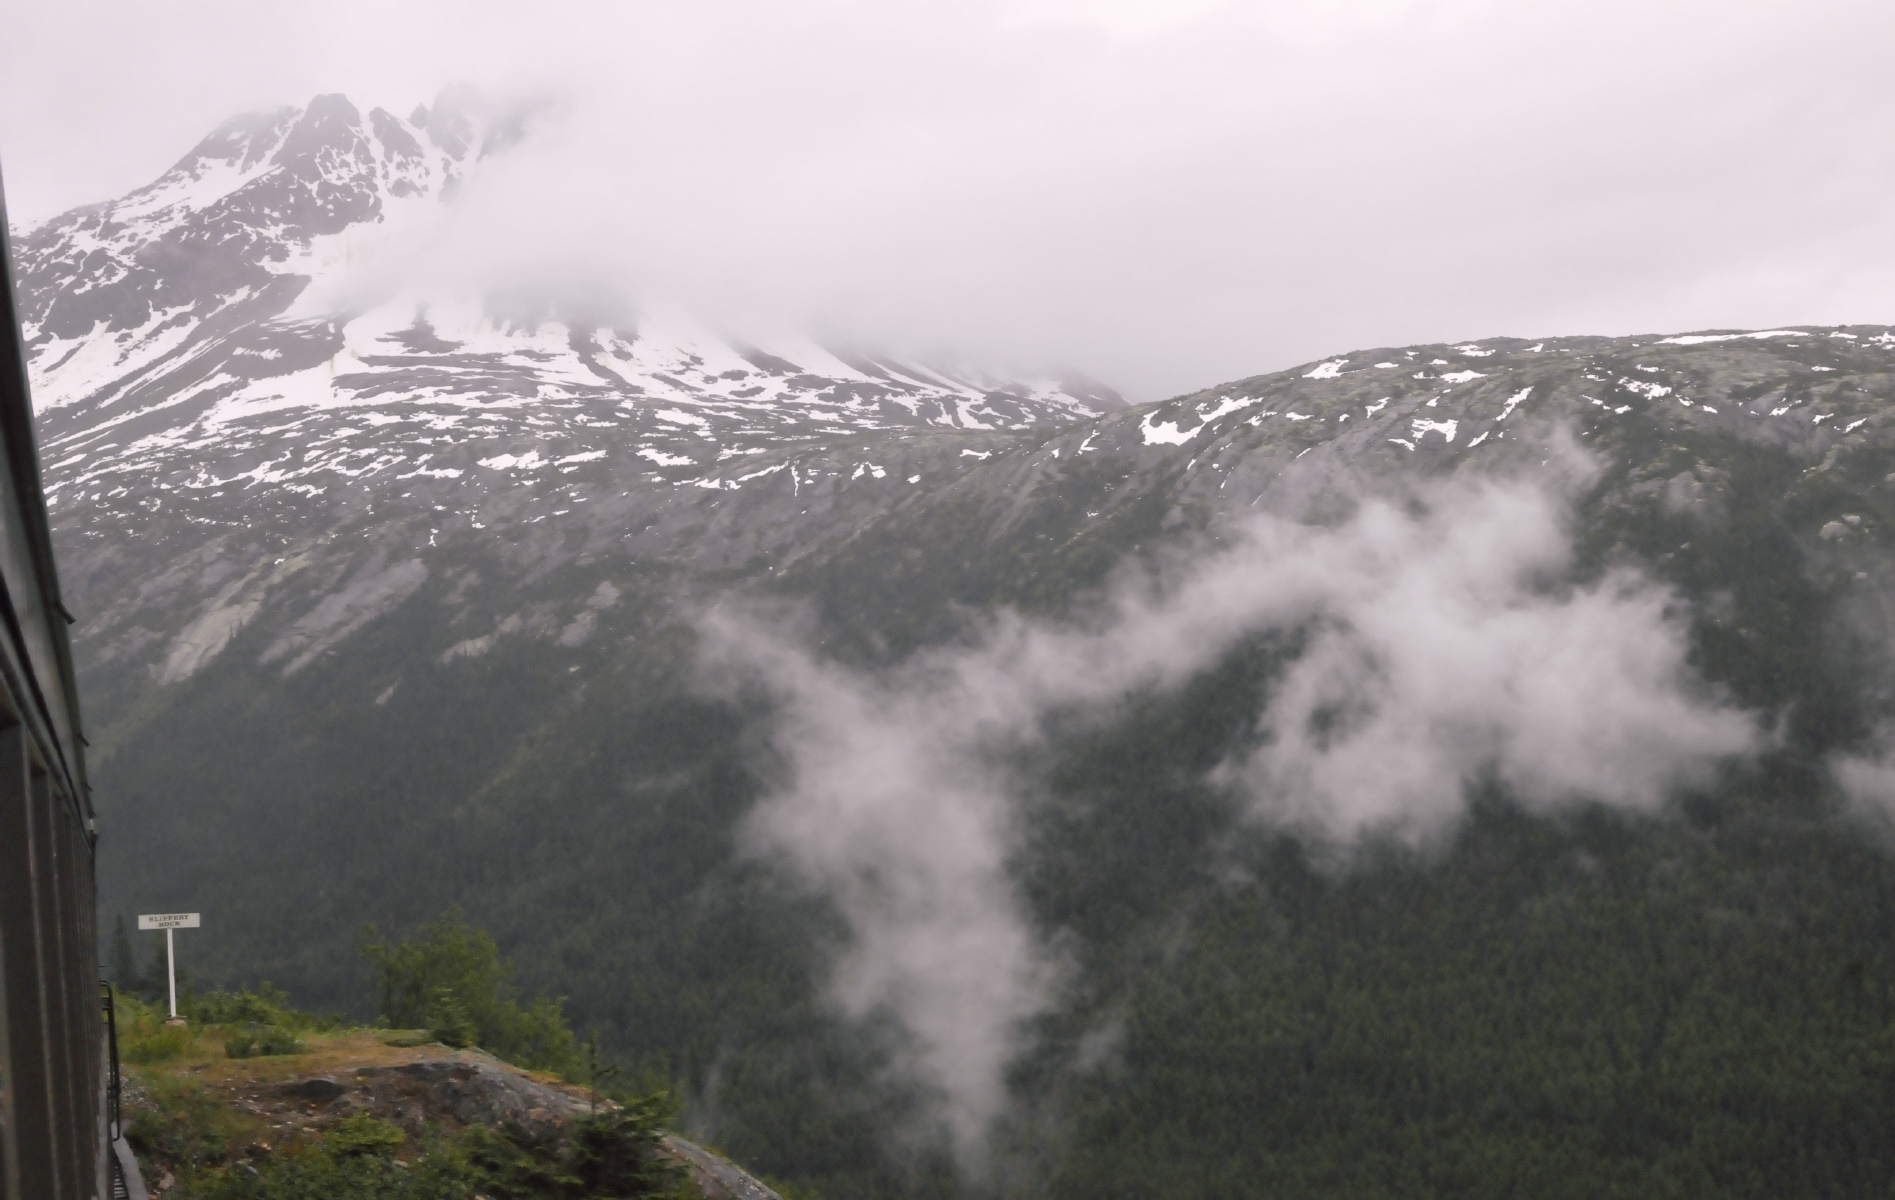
x=169, y=922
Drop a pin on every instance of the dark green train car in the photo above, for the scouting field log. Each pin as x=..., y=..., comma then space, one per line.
x=57, y=1090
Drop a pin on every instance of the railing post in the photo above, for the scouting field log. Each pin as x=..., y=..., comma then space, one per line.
x=69, y=1089
x=9, y=1095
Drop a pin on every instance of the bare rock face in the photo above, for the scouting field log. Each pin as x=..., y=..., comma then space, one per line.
x=471, y=1089
x=717, y=1178
x=320, y=1089
x=474, y=1090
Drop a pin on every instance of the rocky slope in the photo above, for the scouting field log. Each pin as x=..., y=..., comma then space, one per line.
x=206, y=1112
x=167, y=571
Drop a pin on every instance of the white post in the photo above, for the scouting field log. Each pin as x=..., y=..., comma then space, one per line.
x=169, y=922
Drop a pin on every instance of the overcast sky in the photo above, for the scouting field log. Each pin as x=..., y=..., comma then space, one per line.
x=1163, y=193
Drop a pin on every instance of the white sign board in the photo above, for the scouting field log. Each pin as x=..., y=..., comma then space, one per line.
x=167, y=921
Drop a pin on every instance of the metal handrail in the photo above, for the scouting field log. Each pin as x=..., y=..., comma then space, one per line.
x=110, y=1013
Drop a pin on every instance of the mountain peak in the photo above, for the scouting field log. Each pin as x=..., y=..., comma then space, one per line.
x=219, y=310
x=215, y=233
x=452, y=123
x=242, y=142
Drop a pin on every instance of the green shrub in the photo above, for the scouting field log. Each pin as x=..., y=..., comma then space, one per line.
x=188, y=1126
x=537, y=1038
x=610, y=1156
x=616, y=1154
x=260, y=1041
x=144, y=1037
x=155, y=1045
x=320, y=1175
x=146, y=1132
x=266, y=1005
x=451, y=981
x=363, y=1134
x=450, y=956
x=449, y=1021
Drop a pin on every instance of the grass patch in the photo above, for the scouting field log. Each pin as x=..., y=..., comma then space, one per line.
x=188, y=1124
x=259, y=1041
x=166, y=1043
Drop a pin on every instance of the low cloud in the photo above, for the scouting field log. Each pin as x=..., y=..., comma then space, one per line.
x=1162, y=193
x=1437, y=659
x=895, y=808
x=1867, y=779
x=1443, y=646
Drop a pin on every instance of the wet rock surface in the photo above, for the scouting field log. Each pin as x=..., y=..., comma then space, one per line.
x=471, y=1090
x=716, y=1178
x=320, y=1089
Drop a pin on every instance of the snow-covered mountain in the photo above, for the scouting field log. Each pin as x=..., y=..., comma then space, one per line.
x=187, y=335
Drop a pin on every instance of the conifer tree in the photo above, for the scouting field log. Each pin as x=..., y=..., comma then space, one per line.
x=124, y=965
